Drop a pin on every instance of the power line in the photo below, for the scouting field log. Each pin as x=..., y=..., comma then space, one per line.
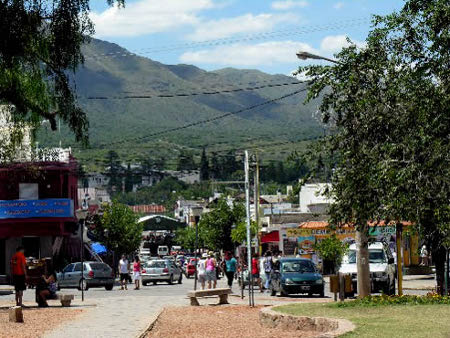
x=226, y=41
x=216, y=118
x=214, y=92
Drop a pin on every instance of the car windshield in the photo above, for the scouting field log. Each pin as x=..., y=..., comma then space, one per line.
x=298, y=266
x=156, y=264
x=99, y=266
x=375, y=256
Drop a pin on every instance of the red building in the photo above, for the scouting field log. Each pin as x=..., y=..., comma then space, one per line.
x=37, y=204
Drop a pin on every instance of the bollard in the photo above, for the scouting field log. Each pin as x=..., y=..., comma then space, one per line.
x=341, y=286
x=15, y=314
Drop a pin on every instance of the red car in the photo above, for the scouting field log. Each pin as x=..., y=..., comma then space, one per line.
x=190, y=268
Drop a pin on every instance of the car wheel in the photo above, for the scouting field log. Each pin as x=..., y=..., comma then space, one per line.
x=322, y=293
x=170, y=280
x=58, y=287
x=109, y=287
x=180, y=280
x=82, y=285
x=144, y=283
x=154, y=283
x=283, y=294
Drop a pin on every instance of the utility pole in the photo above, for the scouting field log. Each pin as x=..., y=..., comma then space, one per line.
x=249, y=238
x=256, y=201
x=399, y=234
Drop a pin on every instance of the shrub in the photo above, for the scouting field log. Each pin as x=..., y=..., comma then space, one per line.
x=429, y=299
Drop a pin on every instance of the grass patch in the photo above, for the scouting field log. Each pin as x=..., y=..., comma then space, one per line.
x=383, y=320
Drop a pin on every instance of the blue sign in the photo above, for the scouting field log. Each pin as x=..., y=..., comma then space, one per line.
x=58, y=207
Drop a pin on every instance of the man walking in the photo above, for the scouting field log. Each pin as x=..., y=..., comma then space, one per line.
x=19, y=273
x=124, y=270
x=268, y=267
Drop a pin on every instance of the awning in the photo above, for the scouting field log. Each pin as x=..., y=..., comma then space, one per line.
x=273, y=236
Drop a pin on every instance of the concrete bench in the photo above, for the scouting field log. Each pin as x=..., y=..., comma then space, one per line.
x=65, y=299
x=222, y=293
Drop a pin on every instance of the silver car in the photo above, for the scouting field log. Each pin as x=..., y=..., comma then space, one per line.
x=96, y=274
x=161, y=270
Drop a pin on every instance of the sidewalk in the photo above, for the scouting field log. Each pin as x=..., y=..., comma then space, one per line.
x=126, y=316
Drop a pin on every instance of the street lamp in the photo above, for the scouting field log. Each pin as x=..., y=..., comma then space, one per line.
x=306, y=55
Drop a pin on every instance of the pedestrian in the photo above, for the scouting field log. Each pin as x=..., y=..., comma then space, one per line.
x=201, y=270
x=124, y=270
x=268, y=268
x=230, y=268
x=424, y=255
x=137, y=272
x=19, y=273
x=46, y=289
x=255, y=271
x=211, y=266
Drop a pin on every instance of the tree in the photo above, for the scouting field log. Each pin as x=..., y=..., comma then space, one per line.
x=239, y=234
x=204, y=166
x=216, y=170
x=114, y=171
x=186, y=161
x=118, y=229
x=331, y=249
x=185, y=237
x=129, y=179
x=42, y=44
x=215, y=226
x=388, y=106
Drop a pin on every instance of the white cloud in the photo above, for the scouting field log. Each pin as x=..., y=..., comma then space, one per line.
x=334, y=43
x=288, y=4
x=264, y=53
x=148, y=16
x=338, y=5
x=248, y=23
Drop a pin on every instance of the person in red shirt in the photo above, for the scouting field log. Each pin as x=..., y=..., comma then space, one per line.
x=19, y=273
x=255, y=271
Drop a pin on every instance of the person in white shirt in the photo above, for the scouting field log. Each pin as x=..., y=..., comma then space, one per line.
x=124, y=269
x=201, y=270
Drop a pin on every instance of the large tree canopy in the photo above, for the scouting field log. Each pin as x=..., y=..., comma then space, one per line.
x=41, y=42
x=388, y=107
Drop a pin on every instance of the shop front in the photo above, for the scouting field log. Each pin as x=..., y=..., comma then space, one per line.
x=301, y=240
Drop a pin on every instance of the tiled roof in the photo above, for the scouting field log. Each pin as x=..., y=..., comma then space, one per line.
x=149, y=208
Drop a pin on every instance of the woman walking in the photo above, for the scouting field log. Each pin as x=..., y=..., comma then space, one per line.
x=230, y=267
x=211, y=270
x=137, y=272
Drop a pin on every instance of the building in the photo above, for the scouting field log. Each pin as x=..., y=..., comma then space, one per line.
x=148, y=209
x=37, y=204
x=189, y=212
x=312, y=198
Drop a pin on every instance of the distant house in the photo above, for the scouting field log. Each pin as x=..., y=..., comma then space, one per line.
x=189, y=211
x=186, y=176
x=312, y=198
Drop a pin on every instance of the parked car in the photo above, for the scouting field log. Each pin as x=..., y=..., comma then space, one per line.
x=190, y=268
x=96, y=274
x=297, y=275
x=381, y=265
x=161, y=270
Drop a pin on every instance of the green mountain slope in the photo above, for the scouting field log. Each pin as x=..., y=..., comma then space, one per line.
x=124, y=124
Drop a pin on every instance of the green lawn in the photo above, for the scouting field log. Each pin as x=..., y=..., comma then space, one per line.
x=383, y=321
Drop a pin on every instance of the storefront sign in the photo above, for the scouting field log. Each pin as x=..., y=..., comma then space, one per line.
x=61, y=207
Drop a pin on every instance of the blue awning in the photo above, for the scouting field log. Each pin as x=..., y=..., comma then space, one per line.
x=98, y=248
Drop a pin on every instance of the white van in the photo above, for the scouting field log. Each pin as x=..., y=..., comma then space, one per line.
x=163, y=250
x=381, y=265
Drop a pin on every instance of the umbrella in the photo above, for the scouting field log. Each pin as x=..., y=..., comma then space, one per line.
x=98, y=248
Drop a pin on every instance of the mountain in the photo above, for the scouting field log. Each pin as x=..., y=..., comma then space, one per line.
x=124, y=124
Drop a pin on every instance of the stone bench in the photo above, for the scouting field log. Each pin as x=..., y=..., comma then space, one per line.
x=222, y=293
x=65, y=299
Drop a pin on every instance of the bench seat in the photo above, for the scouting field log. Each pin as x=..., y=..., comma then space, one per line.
x=222, y=293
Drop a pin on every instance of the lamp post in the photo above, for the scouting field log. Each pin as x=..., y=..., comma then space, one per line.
x=81, y=216
x=306, y=55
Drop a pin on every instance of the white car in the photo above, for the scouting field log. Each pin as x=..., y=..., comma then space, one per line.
x=381, y=265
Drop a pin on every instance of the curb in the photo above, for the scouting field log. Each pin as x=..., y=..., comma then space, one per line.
x=151, y=325
x=325, y=327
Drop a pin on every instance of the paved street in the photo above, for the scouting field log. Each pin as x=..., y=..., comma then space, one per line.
x=120, y=313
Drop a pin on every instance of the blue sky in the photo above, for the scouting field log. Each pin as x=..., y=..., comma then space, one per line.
x=255, y=34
